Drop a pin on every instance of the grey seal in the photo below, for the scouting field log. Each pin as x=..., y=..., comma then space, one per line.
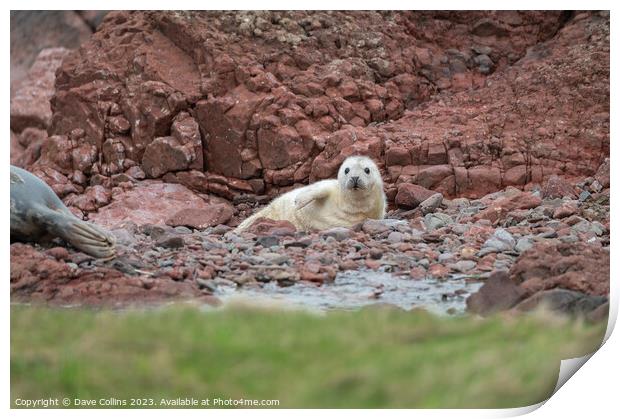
x=37, y=212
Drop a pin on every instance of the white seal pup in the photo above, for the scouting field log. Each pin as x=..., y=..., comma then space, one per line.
x=356, y=195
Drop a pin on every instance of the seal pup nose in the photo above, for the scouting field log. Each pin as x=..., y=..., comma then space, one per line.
x=355, y=180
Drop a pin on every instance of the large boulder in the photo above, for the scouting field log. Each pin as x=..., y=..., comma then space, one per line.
x=30, y=101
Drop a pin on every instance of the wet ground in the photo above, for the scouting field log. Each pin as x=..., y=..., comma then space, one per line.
x=356, y=289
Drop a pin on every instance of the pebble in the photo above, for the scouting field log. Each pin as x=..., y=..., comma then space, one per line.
x=523, y=244
x=338, y=233
x=500, y=241
x=445, y=257
x=431, y=204
x=374, y=227
x=395, y=237
x=463, y=266
x=170, y=242
x=375, y=253
x=584, y=196
x=436, y=220
x=268, y=241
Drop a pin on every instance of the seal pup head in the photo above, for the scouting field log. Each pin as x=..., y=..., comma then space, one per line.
x=359, y=174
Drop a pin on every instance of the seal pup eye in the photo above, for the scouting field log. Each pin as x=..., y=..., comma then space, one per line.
x=346, y=171
x=367, y=170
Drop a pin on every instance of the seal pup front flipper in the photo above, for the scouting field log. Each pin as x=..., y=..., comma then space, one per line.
x=313, y=193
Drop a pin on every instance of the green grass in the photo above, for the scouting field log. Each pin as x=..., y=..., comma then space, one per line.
x=371, y=358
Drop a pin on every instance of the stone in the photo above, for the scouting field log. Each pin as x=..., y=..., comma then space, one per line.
x=580, y=267
x=374, y=227
x=30, y=103
x=563, y=301
x=500, y=241
x=395, y=237
x=410, y=196
x=180, y=151
x=565, y=210
x=523, y=244
x=170, y=242
x=268, y=227
x=503, y=207
x=202, y=218
x=557, y=187
x=436, y=220
x=149, y=202
x=463, y=266
x=338, y=233
x=268, y=241
x=431, y=204
x=498, y=293
x=602, y=174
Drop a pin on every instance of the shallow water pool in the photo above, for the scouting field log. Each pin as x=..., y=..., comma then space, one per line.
x=356, y=289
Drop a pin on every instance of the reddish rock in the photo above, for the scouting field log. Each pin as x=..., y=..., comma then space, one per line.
x=93, y=198
x=431, y=176
x=35, y=30
x=202, y=218
x=282, y=147
x=438, y=270
x=498, y=293
x=37, y=277
x=397, y=156
x=30, y=102
x=163, y=155
x=602, y=174
x=58, y=253
x=565, y=210
x=410, y=195
x=268, y=227
x=577, y=266
x=556, y=187
x=417, y=273
x=149, y=202
x=515, y=175
x=306, y=108
x=499, y=209
x=182, y=150
x=17, y=150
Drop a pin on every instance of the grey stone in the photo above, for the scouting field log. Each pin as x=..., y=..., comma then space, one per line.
x=170, y=242
x=395, y=237
x=584, y=196
x=268, y=241
x=274, y=258
x=523, y=244
x=431, y=204
x=500, y=241
x=436, y=220
x=338, y=233
x=463, y=265
x=562, y=300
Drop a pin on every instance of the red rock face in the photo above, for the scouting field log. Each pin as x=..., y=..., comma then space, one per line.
x=35, y=30
x=30, y=101
x=576, y=266
x=463, y=103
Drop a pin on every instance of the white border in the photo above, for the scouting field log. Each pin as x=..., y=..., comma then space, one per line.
x=594, y=389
